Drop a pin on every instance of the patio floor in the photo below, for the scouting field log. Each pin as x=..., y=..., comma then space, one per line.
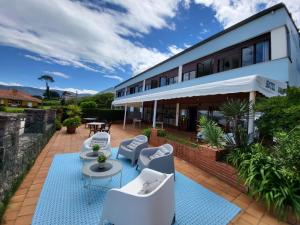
x=22, y=205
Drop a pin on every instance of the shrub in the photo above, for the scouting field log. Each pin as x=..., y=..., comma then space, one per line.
x=181, y=140
x=2, y=108
x=57, y=124
x=73, y=110
x=279, y=113
x=147, y=132
x=161, y=133
x=72, y=122
x=104, y=114
x=51, y=102
x=213, y=134
x=88, y=104
x=272, y=175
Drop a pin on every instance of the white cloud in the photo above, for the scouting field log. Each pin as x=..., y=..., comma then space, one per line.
x=85, y=35
x=10, y=83
x=58, y=74
x=74, y=90
x=175, y=49
x=114, y=77
x=229, y=12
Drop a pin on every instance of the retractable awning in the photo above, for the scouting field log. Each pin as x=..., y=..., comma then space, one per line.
x=267, y=87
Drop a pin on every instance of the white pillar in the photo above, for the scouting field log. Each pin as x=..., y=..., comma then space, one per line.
x=144, y=85
x=142, y=110
x=177, y=114
x=125, y=113
x=252, y=95
x=180, y=74
x=154, y=114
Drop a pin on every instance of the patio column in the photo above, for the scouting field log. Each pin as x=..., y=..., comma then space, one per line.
x=177, y=115
x=142, y=110
x=144, y=85
x=252, y=95
x=125, y=112
x=180, y=74
x=154, y=114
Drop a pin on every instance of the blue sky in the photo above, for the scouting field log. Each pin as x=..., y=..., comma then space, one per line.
x=91, y=45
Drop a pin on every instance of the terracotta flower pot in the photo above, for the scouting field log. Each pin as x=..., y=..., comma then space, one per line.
x=71, y=130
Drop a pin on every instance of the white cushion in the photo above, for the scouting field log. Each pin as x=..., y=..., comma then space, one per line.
x=98, y=141
x=159, y=153
x=134, y=144
x=148, y=187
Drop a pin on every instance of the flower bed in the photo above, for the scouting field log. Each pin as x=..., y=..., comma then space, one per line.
x=203, y=157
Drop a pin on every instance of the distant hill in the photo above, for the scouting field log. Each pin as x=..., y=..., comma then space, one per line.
x=34, y=91
x=108, y=90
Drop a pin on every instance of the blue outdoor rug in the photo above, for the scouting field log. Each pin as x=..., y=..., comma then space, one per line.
x=64, y=201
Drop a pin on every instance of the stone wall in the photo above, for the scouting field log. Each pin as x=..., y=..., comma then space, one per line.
x=18, y=150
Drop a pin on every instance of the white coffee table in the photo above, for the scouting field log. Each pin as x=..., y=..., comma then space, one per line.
x=91, y=171
x=89, y=156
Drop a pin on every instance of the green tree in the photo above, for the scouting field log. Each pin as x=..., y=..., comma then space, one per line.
x=47, y=78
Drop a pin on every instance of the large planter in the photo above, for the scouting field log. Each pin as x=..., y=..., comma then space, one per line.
x=71, y=130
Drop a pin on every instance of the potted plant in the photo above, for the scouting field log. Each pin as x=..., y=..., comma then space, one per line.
x=71, y=124
x=96, y=149
x=101, y=160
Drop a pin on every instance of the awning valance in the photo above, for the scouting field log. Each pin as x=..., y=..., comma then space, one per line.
x=263, y=85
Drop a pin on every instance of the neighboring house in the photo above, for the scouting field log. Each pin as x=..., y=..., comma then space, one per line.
x=16, y=98
x=258, y=56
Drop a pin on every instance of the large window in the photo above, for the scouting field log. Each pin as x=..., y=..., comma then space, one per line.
x=172, y=80
x=205, y=68
x=262, y=53
x=162, y=81
x=229, y=62
x=154, y=84
x=247, y=56
x=189, y=75
x=147, y=86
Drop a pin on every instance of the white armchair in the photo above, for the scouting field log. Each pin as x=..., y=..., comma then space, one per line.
x=100, y=138
x=137, y=204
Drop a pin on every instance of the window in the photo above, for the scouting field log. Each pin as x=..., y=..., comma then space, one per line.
x=162, y=81
x=204, y=68
x=147, y=87
x=140, y=89
x=247, y=56
x=262, y=51
x=154, y=84
x=229, y=62
x=132, y=90
x=172, y=80
x=189, y=75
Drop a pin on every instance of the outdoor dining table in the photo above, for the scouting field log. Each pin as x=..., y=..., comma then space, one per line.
x=89, y=119
x=94, y=126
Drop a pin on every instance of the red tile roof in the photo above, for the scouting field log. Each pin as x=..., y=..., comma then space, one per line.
x=17, y=95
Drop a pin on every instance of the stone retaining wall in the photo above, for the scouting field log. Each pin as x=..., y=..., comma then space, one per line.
x=18, y=150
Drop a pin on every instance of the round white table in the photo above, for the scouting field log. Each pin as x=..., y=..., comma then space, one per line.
x=92, y=171
x=90, y=156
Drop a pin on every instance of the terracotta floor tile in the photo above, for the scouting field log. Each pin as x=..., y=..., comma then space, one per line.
x=28, y=210
x=10, y=215
x=24, y=220
x=17, y=198
x=30, y=201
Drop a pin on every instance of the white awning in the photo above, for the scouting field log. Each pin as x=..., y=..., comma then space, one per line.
x=263, y=85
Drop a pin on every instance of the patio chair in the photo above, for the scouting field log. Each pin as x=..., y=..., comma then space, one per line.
x=131, y=148
x=107, y=128
x=147, y=200
x=158, y=158
x=100, y=138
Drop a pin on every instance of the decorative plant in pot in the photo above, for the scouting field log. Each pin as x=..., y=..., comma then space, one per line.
x=101, y=160
x=96, y=149
x=72, y=123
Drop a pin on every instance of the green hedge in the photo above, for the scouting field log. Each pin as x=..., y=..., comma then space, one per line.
x=104, y=114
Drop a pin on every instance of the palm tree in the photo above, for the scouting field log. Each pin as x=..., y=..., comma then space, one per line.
x=47, y=78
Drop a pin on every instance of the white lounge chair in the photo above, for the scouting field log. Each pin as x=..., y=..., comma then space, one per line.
x=100, y=138
x=147, y=200
x=131, y=148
